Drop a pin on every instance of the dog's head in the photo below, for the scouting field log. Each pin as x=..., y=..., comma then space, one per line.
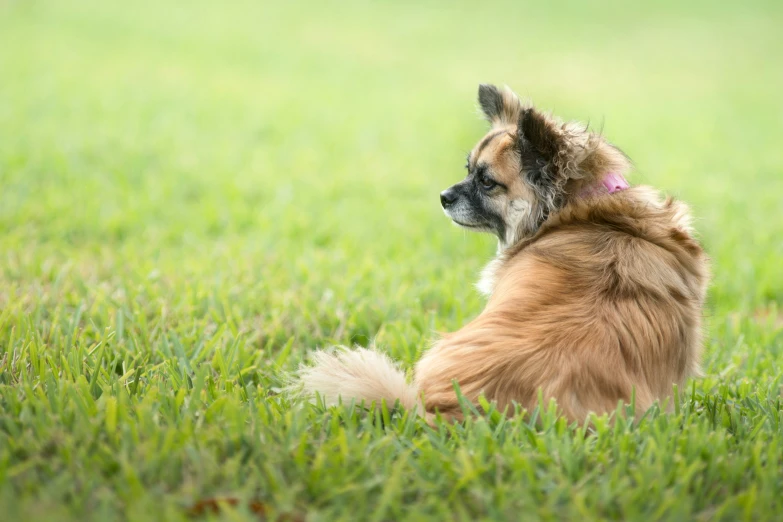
x=528, y=166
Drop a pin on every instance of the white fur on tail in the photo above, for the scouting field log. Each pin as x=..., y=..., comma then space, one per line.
x=360, y=375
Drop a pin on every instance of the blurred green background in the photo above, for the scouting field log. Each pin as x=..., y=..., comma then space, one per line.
x=205, y=191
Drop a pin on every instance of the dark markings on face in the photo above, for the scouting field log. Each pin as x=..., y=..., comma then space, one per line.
x=477, y=201
x=486, y=141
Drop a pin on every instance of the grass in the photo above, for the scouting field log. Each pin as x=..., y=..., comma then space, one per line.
x=192, y=198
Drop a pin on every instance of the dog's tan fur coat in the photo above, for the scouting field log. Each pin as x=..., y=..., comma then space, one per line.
x=601, y=300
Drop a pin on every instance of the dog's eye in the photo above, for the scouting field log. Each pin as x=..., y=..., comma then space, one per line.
x=486, y=183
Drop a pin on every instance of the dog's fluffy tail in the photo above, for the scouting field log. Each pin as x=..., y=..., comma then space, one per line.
x=360, y=375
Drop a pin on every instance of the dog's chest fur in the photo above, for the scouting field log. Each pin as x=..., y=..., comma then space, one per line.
x=488, y=277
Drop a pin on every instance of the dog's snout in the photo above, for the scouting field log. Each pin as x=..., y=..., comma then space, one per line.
x=448, y=197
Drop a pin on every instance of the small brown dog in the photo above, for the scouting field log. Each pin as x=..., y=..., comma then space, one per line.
x=596, y=291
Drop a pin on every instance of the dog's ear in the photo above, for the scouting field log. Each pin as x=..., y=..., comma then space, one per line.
x=491, y=101
x=500, y=107
x=539, y=134
x=540, y=143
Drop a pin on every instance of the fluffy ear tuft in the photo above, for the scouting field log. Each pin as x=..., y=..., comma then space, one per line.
x=599, y=157
x=500, y=107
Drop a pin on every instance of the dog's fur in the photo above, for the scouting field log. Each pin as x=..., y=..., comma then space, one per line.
x=593, y=297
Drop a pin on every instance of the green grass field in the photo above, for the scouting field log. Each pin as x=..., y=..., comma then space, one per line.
x=193, y=196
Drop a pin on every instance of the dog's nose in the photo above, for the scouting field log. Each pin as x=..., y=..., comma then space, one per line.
x=448, y=197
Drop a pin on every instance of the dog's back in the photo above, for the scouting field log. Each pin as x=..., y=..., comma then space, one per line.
x=604, y=299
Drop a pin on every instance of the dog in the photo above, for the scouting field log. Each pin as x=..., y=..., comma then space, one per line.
x=595, y=296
